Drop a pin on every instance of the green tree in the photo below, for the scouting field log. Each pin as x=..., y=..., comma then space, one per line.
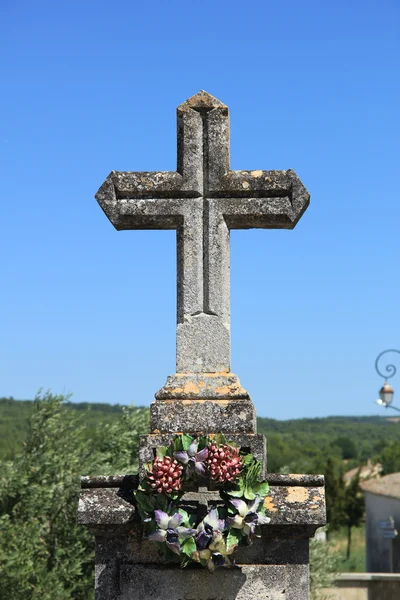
x=390, y=458
x=354, y=507
x=334, y=494
x=44, y=554
x=324, y=565
x=347, y=447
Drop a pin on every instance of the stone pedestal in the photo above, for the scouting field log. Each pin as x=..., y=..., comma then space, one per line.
x=275, y=567
x=203, y=200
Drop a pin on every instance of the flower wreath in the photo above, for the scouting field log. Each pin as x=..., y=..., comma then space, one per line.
x=181, y=537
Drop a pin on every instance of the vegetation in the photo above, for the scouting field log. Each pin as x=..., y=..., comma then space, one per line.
x=44, y=554
x=324, y=564
x=46, y=444
x=298, y=445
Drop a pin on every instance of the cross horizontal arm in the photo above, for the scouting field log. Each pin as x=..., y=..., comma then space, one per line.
x=281, y=195
x=120, y=187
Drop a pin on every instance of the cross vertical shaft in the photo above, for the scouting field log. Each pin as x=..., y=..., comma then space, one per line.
x=203, y=328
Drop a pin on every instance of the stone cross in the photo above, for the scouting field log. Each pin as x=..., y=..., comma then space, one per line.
x=203, y=200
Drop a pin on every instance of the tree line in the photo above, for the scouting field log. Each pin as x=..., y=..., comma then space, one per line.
x=44, y=554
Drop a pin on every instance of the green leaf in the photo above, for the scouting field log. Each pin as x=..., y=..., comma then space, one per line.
x=174, y=495
x=186, y=440
x=261, y=489
x=161, y=451
x=247, y=459
x=234, y=537
x=249, y=494
x=202, y=442
x=184, y=515
x=219, y=438
x=177, y=444
x=238, y=492
x=145, y=501
x=188, y=546
x=161, y=501
x=185, y=561
x=252, y=473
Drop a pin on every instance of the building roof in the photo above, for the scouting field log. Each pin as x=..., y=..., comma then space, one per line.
x=389, y=485
x=368, y=471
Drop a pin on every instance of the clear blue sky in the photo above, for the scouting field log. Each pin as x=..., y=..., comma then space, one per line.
x=92, y=86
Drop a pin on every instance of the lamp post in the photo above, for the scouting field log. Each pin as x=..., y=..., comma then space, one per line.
x=386, y=392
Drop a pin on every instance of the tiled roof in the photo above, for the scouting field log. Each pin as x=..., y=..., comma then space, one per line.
x=367, y=471
x=389, y=485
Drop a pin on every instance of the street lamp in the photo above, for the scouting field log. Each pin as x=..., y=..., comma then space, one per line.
x=386, y=392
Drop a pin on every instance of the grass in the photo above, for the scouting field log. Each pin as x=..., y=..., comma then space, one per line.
x=338, y=541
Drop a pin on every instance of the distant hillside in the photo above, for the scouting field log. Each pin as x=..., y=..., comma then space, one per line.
x=15, y=414
x=356, y=439
x=298, y=444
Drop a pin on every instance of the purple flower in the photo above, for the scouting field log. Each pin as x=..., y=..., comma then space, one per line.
x=247, y=518
x=170, y=531
x=193, y=458
x=209, y=529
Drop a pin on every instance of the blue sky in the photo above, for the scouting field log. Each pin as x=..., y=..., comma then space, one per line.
x=92, y=86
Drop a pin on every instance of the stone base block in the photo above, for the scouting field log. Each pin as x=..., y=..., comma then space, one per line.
x=203, y=416
x=255, y=444
x=203, y=386
x=246, y=582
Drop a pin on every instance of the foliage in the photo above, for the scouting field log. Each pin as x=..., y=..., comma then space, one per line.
x=295, y=446
x=347, y=447
x=324, y=564
x=344, y=503
x=353, y=508
x=389, y=458
x=303, y=445
x=334, y=494
x=44, y=554
x=47, y=444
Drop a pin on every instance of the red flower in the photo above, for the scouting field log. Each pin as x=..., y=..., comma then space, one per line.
x=224, y=462
x=165, y=475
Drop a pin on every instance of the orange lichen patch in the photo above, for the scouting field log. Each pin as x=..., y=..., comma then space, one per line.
x=315, y=501
x=269, y=504
x=224, y=390
x=256, y=173
x=175, y=391
x=191, y=388
x=218, y=374
x=297, y=494
x=188, y=401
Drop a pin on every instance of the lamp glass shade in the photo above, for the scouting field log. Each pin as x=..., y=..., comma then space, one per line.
x=386, y=394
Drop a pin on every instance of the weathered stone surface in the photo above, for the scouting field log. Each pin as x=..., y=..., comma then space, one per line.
x=202, y=386
x=290, y=502
x=203, y=416
x=247, y=582
x=102, y=506
x=275, y=566
x=203, y=200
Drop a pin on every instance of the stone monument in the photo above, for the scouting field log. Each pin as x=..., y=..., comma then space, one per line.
x=203, y=200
